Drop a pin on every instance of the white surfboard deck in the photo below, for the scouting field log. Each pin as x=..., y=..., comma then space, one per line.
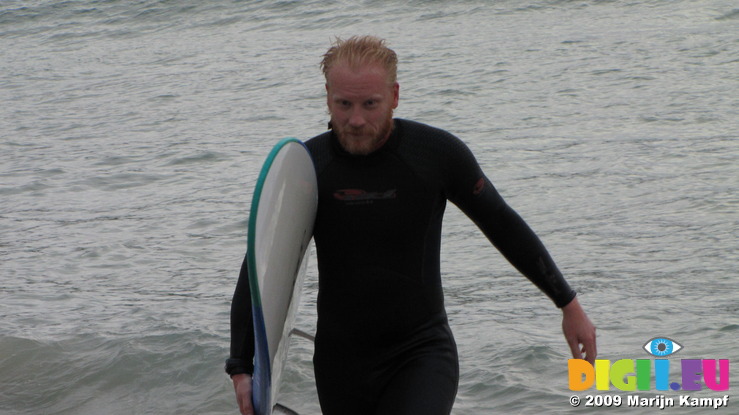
x=280, y=229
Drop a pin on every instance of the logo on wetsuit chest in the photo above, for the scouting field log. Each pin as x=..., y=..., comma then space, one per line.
x=359, y=196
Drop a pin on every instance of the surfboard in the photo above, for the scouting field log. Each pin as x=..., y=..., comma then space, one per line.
x=280, y=229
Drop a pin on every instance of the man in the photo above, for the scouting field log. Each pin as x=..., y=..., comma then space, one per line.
x=383, y=344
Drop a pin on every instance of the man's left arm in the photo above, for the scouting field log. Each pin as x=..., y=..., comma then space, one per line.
x=525, y=251
x=518, y=243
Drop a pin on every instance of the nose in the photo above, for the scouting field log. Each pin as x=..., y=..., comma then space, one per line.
x=356, y=119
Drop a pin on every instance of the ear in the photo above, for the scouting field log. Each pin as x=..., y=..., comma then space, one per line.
x=396, y=94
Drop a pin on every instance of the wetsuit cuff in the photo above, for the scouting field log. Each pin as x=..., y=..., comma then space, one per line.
x=562, y=302
x=239, y=366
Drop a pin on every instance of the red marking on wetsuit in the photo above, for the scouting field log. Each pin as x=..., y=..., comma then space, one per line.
x=479, y=186
x=351, y=195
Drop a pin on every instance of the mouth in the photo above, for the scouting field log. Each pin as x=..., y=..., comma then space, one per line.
x=358, y=135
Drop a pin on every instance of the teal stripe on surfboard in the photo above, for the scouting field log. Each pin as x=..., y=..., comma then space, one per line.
x=256, y=297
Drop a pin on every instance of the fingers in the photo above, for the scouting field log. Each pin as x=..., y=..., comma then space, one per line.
x=590, y=349
x=585, y=348
x=575, y=348
x=242, y=386
x=246, y=409
x=583, y=351
x=245, y=406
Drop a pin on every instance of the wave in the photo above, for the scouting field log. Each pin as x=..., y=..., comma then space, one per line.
x=732, y=15
x=94, y=374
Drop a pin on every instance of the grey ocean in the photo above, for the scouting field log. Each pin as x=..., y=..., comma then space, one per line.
x=131, y=134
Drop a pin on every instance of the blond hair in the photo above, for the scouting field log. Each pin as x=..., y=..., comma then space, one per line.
x=361, y=50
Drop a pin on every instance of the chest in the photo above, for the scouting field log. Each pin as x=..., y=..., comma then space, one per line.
x=382, y=196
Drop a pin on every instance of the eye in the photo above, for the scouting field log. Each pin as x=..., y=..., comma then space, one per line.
x=661, y=347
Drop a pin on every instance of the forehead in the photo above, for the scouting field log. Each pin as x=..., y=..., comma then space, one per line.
x=370, y=77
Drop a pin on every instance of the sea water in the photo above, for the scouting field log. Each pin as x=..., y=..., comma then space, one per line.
x=132, y=132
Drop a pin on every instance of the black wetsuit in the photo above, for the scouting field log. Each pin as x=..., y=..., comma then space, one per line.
x=383, y=345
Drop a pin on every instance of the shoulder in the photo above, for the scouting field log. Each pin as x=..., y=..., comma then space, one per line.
x=441, y=156
x=417, y=136
x=428, y=142
x=320, y=149
x=318, y=141
x=416, y=130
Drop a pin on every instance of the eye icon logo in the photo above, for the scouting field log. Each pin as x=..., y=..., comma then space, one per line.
x=662, y=346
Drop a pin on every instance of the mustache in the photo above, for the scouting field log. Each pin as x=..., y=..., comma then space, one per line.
x=359, y=130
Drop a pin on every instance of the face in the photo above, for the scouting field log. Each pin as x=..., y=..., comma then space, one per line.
x=361, y=102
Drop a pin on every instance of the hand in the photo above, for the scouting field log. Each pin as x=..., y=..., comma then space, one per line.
x=579, y=332
x=242, y=386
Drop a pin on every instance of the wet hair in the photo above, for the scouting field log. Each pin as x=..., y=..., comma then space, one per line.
x=361, y=50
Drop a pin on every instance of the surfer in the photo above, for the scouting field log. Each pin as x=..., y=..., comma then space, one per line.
x=383, y=344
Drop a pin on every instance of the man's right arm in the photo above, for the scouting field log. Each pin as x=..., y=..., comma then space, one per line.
x=240, y=364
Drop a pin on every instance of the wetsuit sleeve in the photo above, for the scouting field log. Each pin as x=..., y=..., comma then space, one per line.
x=476, y=196
x=241, y=359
